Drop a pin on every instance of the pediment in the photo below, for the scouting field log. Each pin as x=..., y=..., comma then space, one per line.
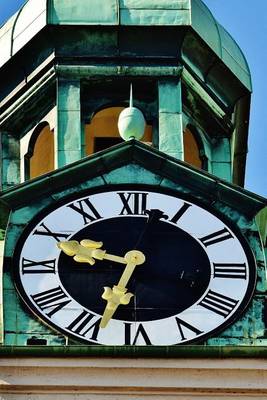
x=132, y=162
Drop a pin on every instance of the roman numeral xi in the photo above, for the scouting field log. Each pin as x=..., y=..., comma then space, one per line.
x=86, y=209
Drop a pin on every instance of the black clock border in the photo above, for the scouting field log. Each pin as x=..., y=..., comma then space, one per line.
x=134, y=187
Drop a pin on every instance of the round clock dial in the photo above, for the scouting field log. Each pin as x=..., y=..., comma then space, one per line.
x=198, y=274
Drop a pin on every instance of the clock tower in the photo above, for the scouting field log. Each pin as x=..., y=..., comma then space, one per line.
x=129, y=245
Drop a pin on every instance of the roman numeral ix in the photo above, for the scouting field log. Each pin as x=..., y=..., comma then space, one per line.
x=38, y=267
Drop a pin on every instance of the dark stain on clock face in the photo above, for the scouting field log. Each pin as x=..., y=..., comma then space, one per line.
x=175, y=275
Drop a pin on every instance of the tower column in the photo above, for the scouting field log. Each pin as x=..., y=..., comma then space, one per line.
x=10, y=160
x=69, y=142
x=221, y=159
x=170, y=117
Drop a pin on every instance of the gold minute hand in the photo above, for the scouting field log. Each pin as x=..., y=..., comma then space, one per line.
x=117, y=295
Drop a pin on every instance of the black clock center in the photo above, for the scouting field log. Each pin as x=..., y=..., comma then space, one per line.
x=175, y=275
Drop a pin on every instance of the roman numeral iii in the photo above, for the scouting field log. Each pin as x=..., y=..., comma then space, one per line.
x=231, y=271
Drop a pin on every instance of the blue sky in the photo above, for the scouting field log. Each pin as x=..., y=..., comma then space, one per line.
x=247, y=22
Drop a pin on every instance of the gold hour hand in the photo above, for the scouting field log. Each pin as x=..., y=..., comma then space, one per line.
x=118, y=294
x=87, y=251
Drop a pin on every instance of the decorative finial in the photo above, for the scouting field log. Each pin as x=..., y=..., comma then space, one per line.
x=131, y=122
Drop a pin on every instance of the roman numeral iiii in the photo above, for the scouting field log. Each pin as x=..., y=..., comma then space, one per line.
x=218, y=303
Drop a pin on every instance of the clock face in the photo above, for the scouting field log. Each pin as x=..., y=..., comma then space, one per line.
x=198, y=276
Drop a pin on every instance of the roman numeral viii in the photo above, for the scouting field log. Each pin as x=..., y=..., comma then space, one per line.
x=38, y=267
x=133, y=203
x=53, y=299
x=218, y=303
x=86, y=209
x=216, y=237
x=233, y=271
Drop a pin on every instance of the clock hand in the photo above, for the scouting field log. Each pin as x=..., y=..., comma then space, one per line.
x=87, y=251
x=153, y=215
x=117, y=295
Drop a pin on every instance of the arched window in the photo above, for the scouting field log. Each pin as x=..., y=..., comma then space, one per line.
x=103, y=131
x=40, y=157
x=192, y=153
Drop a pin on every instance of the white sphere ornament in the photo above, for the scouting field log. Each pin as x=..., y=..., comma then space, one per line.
x=131, y=124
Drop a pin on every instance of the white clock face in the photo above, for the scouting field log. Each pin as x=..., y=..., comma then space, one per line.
x=199, y=274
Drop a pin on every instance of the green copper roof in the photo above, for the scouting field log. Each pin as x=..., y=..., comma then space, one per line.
x=35, y=15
